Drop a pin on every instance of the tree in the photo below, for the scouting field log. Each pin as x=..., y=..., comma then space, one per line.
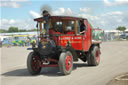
x=3, y=31
x=121, y=28
x=22, y=30
x=31, y=30
x=13, y=29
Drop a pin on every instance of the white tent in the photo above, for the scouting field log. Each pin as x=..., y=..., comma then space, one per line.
x=126, y=30
x=2, y=37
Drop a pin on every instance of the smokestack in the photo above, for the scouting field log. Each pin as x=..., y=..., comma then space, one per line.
x=47, y=8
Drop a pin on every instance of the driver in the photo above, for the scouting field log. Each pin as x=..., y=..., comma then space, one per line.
x=82, y=27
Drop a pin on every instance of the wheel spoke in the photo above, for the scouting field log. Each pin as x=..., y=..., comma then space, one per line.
x=35, y=63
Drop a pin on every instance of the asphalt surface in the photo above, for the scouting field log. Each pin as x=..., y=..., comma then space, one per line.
x=114, y=61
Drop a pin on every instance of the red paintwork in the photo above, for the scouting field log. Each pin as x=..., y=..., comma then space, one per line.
x=75, y=41
x=51, y=65
x=54, y=38
x=37, y=64
x=68, y=62
x=78, y=42
x=70, y=32
x=97, y=56
x=53, y=60
x=85, y=37
x=88, y=36
x=96, y=29
x=51, y=31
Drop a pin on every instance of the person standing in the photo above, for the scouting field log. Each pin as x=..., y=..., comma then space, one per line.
x=9, y=42
x=46, y=16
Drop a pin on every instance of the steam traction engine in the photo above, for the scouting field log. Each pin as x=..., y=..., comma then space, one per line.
x=64, y=45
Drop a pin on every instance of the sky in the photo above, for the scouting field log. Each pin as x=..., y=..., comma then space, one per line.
x=103, y=14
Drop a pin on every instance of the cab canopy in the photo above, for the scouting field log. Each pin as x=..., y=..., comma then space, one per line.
x=59, y=17
x=62, y=24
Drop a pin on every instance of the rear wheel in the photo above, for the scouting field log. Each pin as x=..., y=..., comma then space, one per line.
x=66, y=63
x=94, y=56
x=33, y=64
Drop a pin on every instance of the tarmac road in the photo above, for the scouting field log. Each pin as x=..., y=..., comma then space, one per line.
x=114, y=61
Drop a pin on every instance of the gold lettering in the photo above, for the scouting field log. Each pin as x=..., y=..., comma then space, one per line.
x=63, y=42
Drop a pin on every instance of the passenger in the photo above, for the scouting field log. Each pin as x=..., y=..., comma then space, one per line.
x=82, y=27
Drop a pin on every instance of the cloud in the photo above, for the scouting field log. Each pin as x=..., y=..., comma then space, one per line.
x=114, y=13
x=34, y=14
x=21, y=24
x=6, y=21
x=12, y=3
x=29, y=23
x=19, y=0
x=63, y=11
x=59, y=11
x=108, y=20
x=86, y=10
x=88, y=16
x=15, y=0
x=115, y=2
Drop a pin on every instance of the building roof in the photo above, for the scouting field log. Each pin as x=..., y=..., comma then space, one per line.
x=115, y=30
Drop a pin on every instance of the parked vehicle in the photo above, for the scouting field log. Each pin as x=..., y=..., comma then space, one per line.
x=64, y=45
x=18, y=40
x=5, y=40
x=123, y=36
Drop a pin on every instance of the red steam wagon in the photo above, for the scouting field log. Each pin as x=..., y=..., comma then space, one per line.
x=68, y=39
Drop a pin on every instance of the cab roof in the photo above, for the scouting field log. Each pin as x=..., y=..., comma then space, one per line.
x=60, y=17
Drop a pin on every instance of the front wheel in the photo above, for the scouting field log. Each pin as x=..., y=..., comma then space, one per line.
x=33, y=63
x=66, y=62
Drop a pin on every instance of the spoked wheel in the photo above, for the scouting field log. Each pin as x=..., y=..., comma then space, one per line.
x=33, y=64
x=66, y=63
x=94, y=56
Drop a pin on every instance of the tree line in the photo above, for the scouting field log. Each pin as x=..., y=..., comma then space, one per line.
x=16, y=29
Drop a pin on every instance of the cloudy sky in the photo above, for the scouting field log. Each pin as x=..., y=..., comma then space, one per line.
x=105, y=14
